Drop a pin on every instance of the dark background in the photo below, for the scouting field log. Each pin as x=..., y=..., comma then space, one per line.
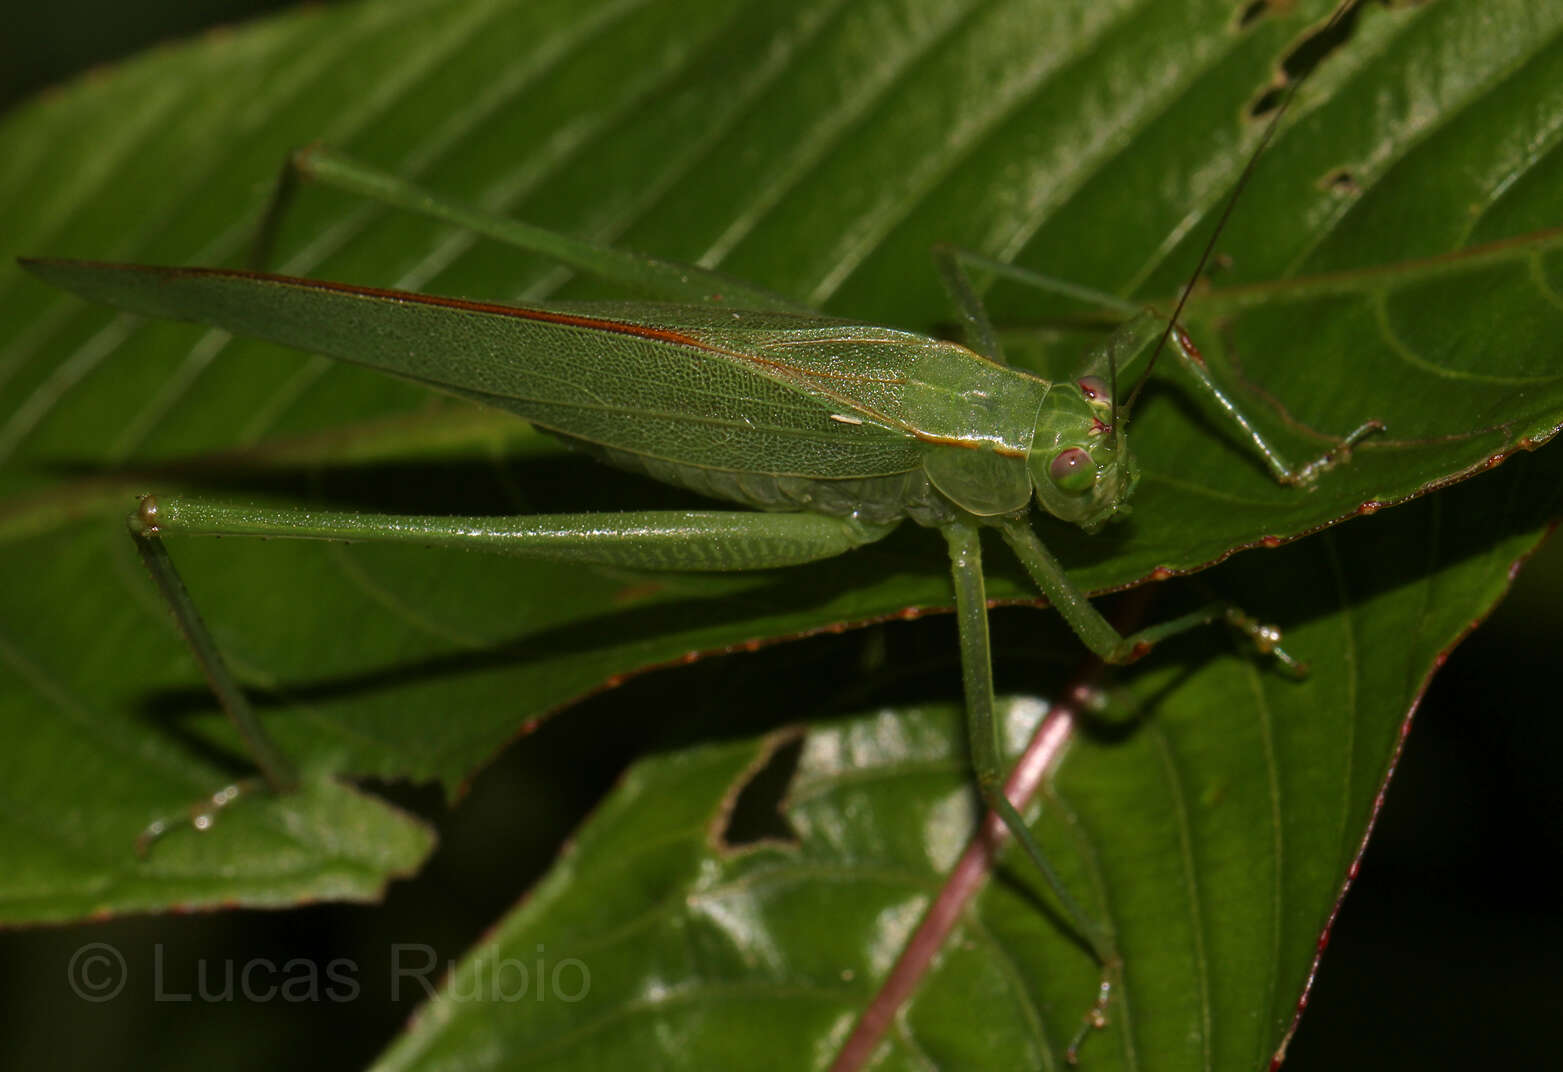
x=1448, y=953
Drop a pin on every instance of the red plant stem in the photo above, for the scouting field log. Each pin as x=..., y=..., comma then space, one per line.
x=965, y=879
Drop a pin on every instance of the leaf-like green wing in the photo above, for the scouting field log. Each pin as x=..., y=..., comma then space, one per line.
x=666, y=382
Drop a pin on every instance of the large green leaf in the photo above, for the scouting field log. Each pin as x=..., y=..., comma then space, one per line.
x=819, y=148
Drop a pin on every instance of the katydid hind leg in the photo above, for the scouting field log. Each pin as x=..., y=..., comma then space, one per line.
x=952, y=263
x=664, y=279
x=277, y=773
x=1133, y=336
x=263, y=244
x=959, y=259
x=963, y=295
x=663, y=540
x=965, y=550
x=652, y=540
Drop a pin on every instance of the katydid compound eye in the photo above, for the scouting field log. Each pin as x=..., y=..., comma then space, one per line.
x=1072, y=470
x=1093, y=387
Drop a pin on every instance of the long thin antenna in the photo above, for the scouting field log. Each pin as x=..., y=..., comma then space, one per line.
x=1226, y=212
x=1112, y=387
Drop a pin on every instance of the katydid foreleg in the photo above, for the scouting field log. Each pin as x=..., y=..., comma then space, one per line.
x=1192, y=360
x=952, y=262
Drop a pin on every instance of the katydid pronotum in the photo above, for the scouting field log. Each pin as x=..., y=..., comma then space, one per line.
x=836, y=431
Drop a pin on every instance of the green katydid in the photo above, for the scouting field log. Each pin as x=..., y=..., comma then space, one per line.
x=835, y=430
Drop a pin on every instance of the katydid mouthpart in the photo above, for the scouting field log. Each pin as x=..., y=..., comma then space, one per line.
x=832, y=431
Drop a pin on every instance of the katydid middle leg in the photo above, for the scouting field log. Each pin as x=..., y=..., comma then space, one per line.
x=1099, y=635
x=971, y=609
x=1103, y=640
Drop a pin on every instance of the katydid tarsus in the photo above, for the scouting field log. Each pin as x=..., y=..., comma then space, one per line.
x=834, y=431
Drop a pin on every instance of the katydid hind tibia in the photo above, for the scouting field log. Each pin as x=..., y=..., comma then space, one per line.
x=835, y=430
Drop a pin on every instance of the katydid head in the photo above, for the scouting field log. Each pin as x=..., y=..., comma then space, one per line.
x=1081, y=468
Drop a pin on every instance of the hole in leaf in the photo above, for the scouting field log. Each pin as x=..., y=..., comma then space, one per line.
x=756, y=814
x=1305, y=56
x=1342, y=182
x=1253, y=13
